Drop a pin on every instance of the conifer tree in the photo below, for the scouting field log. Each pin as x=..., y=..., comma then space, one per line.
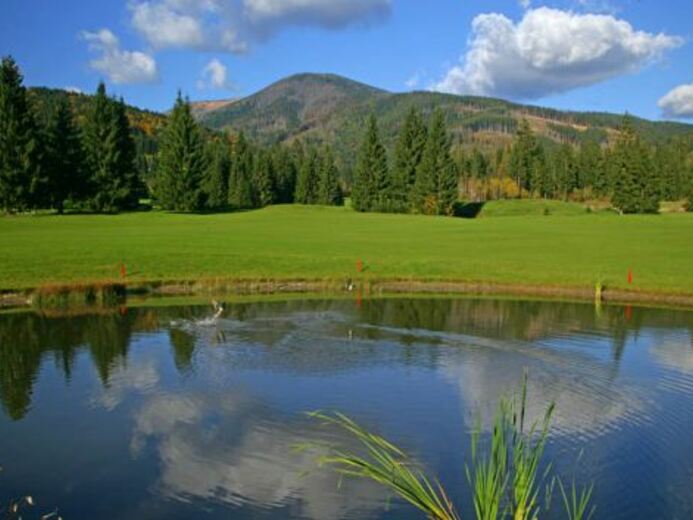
x=591, y=167
x=371, y=186
x=241, y=191
x=216, y=184
x=635, y=186
x=182, y=161
x=264, y=179
x=130, y=186
x=524, y=156
x=64, y=159
x=436, y=185
x=408, y=154
x=307, y=180
x=329, y=190
x=110, y=155
x=285, y=174
x=565, y=172
x=20, y=157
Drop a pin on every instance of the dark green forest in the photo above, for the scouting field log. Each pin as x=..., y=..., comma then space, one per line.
x=419, y=153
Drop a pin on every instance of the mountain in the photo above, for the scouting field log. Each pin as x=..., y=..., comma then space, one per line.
x=330, y=108
x=143, y=121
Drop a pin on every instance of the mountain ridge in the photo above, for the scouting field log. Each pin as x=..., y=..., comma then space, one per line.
x=328, y=108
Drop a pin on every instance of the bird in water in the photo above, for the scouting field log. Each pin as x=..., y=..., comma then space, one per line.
x=218, y=309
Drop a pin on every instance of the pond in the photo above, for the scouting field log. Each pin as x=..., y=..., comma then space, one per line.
x=161, y=412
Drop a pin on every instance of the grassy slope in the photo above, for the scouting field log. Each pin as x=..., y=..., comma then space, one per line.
x=315, y=242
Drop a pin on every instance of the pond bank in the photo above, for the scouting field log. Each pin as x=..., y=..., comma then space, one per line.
x=118, y=293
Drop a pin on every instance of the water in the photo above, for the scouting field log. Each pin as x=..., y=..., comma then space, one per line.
x=161, y=413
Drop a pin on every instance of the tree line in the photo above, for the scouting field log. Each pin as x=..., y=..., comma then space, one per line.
x=634, y=175
x=51, y=161
x=423, y=177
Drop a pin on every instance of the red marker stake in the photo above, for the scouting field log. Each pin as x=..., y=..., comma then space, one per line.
x=630, y=276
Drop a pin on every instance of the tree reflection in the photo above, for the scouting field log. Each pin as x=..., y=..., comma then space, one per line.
x=28, y=339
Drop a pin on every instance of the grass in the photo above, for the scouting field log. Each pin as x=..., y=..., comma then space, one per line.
x=520, y=208
x=298, y=242
x=504, y=475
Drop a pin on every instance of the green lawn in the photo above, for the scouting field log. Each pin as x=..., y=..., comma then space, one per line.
x=317, y=242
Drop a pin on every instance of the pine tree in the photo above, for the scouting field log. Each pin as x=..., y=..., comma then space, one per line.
x=241, y=191
x=329, y=190
x=408, y=154
x=182, y=161
x=216, y=184
x=264, y=179
x=307, y=180
x=64, y=159
x=436, y=187
x=635, y=186
x=110, y=155
x=371, y=186
x=20, y=157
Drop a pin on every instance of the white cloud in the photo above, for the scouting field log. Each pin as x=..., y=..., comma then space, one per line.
x=121, y=67
x=678, y=102
x=525, y=4
x=214, y=76
x=73, y=90
x=413, y=82
x=234, y=25
x=164, y=27
x=549, y=51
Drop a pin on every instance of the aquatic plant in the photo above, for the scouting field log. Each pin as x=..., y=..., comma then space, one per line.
x=505, y=472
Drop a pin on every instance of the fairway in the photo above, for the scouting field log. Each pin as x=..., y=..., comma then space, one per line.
x=300, y=242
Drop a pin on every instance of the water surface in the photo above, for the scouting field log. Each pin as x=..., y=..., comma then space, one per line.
x=160, y=413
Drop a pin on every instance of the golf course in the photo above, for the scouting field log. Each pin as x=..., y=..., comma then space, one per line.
x=520, y=243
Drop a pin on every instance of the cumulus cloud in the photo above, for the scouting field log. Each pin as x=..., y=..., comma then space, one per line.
x=678, y=102
x=549, y=51
x=233, y=25
x=214, y=76
x=73, y=90
x=120, y=66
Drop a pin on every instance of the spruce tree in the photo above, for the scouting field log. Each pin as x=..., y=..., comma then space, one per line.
x=436, y=185
x=182, y=161
x=408, y=154
x=64, y=159
x=524, y=156
x=592, y=168
x=264, y=179
x=329, y=190
x=216, y=183
x=284, y=168
x=20, y=157
x=241, y=191
x=307, y=180
x=635, y=186
x=110, y=155
x=129, y=185
x=371, y=186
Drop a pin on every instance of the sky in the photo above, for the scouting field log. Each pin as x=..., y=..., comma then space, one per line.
x=599, y=55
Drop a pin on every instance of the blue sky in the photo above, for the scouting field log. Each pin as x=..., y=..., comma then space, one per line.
x=613, y=55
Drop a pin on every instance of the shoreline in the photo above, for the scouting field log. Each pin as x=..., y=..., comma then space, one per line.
x=113, y=293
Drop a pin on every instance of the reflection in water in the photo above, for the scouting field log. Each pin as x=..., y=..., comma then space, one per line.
x=165, y=414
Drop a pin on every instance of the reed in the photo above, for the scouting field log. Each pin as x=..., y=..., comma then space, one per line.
x=505, y=472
